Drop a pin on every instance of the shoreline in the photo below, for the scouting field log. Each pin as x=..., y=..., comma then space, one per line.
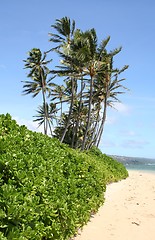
x=128, y=211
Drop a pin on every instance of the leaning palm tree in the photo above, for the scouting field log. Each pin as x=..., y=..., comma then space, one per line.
x=83, y=60
x=90, y=83
x=64, y=33
x=40, y=117
x=38, y=75
x=58, y=96
x=109, y=89
x=92, y=66
x=63, y=37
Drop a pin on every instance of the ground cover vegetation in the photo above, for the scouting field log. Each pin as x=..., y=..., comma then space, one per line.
x=76, y=92
x=48, y=190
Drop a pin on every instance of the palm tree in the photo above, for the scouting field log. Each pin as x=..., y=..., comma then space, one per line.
x=83, y=60
x=58, y=131
x=58, y=96
x=64, y=33
x=71, y=89
x=40, y=117
x=64, y=37
x=90, y=84
x=38, y=75
x=93, y=66
x=108, y=91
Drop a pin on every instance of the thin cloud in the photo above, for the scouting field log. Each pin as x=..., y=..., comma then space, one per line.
x=135, y=144
x=107, y=144
x=111, y=120
x=113, y=115
x=2, y=66
x=145, y=99
x=33, y=126
x=122, y=108
x=128, y=133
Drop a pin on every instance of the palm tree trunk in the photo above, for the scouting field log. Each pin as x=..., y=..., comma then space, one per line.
x=103, y=121
x=107, y=81
x=69, y=114
x=89, y=114
x=73, y=133
x=45, y=111
x=95, y=130
x=78, y=119
x=49, y=124
x=46, y=120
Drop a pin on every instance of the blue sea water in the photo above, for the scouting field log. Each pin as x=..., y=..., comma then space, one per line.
x=143, y=164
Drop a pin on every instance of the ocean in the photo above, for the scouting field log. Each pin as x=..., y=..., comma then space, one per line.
x=141, y=166
x=131, y=163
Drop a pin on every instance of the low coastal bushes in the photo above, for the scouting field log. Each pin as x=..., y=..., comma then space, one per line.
x=47, y=190
x=113, y=170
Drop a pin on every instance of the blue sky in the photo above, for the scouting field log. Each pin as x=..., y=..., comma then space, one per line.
x=130, y=129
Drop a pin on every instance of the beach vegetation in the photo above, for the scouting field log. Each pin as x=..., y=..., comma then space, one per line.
x=48, y=190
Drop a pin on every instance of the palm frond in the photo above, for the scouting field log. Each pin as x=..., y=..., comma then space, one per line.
x=115, y=51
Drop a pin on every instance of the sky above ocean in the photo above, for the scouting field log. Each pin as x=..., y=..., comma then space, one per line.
x=130, y=128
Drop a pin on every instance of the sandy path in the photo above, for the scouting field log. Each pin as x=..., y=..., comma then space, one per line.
x=128, y=212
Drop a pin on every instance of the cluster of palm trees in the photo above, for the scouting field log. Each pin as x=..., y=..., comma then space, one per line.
x=75, y=110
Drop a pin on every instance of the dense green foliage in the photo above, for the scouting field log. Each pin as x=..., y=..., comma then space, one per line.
x=47, y=190
x=113, y=170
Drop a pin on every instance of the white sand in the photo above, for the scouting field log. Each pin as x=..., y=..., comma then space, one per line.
x=128, y=212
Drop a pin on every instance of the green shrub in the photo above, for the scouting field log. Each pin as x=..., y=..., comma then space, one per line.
x=113, y=170
x=47, y=190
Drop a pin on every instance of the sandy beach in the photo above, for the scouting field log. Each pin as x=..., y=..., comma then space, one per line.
x=128, y=212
